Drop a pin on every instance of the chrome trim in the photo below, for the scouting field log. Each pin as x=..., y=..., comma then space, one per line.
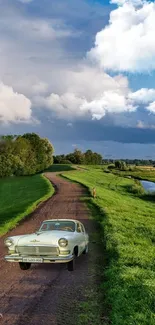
x=47, y=259
x=45, y=250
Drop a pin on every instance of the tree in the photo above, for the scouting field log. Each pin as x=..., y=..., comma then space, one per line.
x=88, y=157
x=79, y=158
x=24, y=155
x=119, y=164
x=43, y=151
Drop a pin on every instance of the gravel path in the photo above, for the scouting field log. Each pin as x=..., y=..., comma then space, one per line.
x=46, y=294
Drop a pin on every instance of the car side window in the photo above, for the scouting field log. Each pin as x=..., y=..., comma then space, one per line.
x=82, y=227
x=78, y=227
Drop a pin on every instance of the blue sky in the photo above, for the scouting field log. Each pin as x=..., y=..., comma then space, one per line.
x=81, y=73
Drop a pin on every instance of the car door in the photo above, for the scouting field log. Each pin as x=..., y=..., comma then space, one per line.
x=80, y=238
x=86, y=238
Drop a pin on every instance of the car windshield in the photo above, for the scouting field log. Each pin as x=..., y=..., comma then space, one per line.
x=58, y=225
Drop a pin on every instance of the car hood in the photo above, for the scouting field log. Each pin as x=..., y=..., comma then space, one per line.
x=46, y=238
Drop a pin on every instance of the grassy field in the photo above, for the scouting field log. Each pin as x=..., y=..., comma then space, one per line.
x=139, y=173
x=19, y=196
x=128, y=230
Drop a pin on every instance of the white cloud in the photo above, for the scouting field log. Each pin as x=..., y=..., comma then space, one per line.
x=143, y=95
x=143, y=125
x=110, y=102
x=66, y=105
x=58, y=83
x=122, y=2
x=80, y=97
x=14, y=107
x=151, y=107
x=127, y=42
x=25, y=1
x=105, y=95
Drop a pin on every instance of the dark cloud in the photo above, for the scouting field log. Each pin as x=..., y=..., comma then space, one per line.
x=58, y=130
x=86, y=17
x=97, y=131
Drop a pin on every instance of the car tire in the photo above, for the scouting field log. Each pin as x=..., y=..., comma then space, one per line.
x=24, y=266
x=86, y=250
x=71, y=265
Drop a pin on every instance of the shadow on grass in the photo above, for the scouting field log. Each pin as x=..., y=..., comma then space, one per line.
x=59, y=168
x=149, y=197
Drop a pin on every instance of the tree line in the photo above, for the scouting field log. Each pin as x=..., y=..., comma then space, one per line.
x=24, y=155
x=136, y=162
x=79, y=158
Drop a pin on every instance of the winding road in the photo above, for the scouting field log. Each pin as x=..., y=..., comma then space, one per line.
x=47, y=293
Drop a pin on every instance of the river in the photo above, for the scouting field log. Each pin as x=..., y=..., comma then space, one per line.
x=148, y=186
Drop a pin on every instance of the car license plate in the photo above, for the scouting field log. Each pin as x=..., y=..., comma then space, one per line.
x=32, y=260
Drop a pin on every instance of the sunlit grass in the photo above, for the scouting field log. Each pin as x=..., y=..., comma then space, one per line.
x=19, y=196
x=128, y=226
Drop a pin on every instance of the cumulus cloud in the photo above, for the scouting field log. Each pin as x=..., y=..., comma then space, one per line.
x=151, y=107
x=80, y=97
x=143, y=95
x=110, y=102
x=127, y=42
x=70, y=106
x=105, y=95
x=71, y=89
x=122, y=2
x=14, y=107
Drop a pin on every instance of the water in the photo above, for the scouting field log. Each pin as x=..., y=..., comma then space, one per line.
x=148, y=186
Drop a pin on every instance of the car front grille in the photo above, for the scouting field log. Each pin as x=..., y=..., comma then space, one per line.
x=37, y=250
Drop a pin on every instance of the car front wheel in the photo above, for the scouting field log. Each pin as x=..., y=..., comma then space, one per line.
x=24, y=266
x=71, y=265
x=86, y=250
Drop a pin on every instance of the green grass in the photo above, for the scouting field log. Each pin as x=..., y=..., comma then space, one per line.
x=128, y=231
x=19, y=196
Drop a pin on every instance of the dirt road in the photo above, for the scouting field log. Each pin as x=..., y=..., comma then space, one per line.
x=46, y=294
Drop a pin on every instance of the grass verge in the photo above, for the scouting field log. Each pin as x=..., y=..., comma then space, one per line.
x=19, y=196
x=128, y=230
x=94, y=309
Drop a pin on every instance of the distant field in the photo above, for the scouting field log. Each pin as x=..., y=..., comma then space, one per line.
x=142, y=173
x=19, y=196
x=146, y=167
x=128, y=231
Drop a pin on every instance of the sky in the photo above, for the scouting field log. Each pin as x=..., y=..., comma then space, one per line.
x=81, y=73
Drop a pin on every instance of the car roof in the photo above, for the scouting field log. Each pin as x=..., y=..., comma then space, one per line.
x=73, y=220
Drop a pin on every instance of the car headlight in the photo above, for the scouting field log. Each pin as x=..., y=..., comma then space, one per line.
x=63, y=242
x=8, y=242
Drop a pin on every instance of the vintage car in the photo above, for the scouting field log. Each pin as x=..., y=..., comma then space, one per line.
x=57, y=241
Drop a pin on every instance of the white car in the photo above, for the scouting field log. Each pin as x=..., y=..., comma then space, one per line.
x=57, y=241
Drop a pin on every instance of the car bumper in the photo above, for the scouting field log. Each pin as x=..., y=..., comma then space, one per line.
x=45, y=259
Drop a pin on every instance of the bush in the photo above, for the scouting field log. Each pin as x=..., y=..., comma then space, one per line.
x=111, y=166
x=137, y=188
x=106, y=170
